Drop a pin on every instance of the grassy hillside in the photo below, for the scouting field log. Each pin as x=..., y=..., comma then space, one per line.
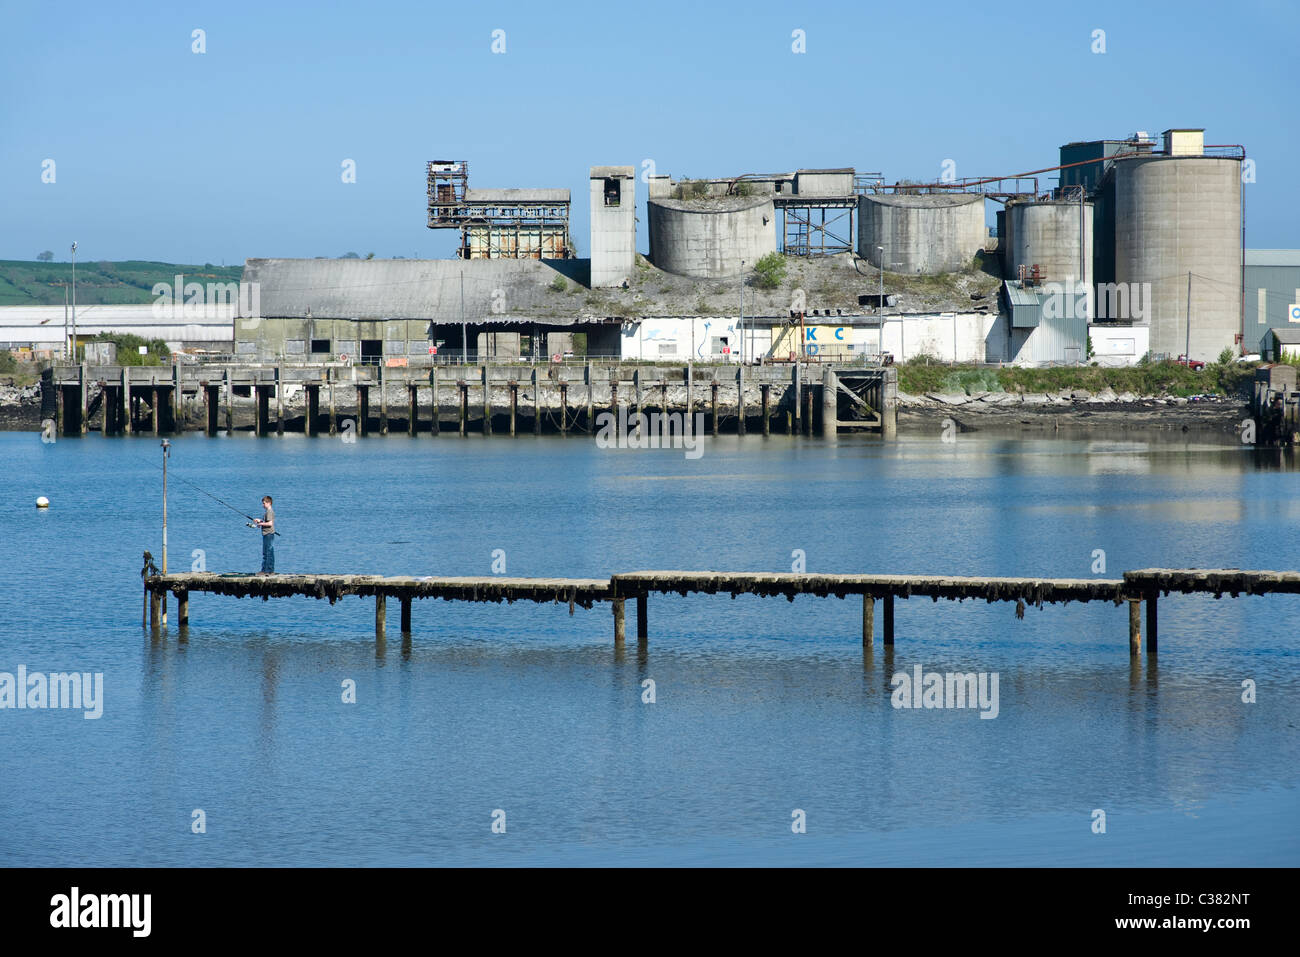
x=98, y=283
x=917, y=377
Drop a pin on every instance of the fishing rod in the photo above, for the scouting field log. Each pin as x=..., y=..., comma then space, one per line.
x=221, y=501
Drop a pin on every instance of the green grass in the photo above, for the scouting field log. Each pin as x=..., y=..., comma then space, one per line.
x=99, y=283
x=917, y=377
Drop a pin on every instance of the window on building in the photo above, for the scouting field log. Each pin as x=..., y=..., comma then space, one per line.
x=718, y=345
x=320, y=345
x=613, y=191
x=246, y=347
x=294, y=347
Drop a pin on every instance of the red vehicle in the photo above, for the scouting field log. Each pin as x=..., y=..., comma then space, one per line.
x=1196, y=365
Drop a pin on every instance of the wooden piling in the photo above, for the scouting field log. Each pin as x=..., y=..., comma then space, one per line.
x=591, y=401
x=230, y=404
x=313, y=410
x=85, y=399
x=642, y=629
x=888, y=629
x=363, y=409
x=406, y=616
x=808, y=410
x=464, y=405
x=413, y=420
x=1152, y=633
x=182, y=609
x=487, y=401
x=636, y=389
x=279, y=400
x=155, y=416
x=212, y=401
x=1134, y=627
x=155, y=610
x=127, y=425
x=537, y=403
x=514, y=405
x=868, y=619
x=714, y=383
x=383, y=402
x=263, y=401
x=797, y=403
x=381, y=613
x=334, y=419
x=433, y=380
x=617, y=604
x=177, y=402
x=564, y=408
x=767, y=406
x=830, y=411
x=740, y=403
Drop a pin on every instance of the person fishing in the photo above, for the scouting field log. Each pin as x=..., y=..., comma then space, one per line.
x=267, y=524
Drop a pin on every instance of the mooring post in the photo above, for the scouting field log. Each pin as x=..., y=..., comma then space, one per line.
x=808, y=410
x=211, y=399
x=641, y=624
x=182, y=609
x=433, y=381
x=564, y=408
x=1152, y=635
x=514, y=405
x=487, y=400
x=406, y=616
x=714, y=383
x=126, y=401
x=830, y=412
x=868, y=619
x=613, y=399
x=363, y=409
x=767, y=405
x=618, y=621
x=155, y=415
x=464, y=404
x=383, y=401
x=178, y=401
x=889, y=403
x=798, y=399
x=155, y=610
x=380, y=615
x=636, y=389
x=413, y=421
x=888, y=602
x=1134, y=627
x=262, y=404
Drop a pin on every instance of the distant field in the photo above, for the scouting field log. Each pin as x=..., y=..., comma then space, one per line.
x=98, y=283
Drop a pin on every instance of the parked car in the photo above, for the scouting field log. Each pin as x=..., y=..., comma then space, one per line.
x=1196, y=365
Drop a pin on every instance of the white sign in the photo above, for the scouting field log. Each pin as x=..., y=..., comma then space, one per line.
x=144, y=350
x=1293, y=312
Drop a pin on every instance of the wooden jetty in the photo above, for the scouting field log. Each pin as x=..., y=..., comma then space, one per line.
x=1135, y=588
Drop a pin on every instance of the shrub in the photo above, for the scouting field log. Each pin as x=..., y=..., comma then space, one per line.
x=770, y=270
x=558, y=284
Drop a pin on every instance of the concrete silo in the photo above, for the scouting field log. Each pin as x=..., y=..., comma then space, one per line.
x=921, y=232
x=708, y=238
x=1054, y=235
x=1177, y=221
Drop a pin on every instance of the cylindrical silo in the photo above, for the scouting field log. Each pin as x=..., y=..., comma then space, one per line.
x=921, y=232
x=1178, y=225
x=710, y=238
x=1055, y=236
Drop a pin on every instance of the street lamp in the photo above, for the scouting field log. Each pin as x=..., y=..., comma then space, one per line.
x=74, y=302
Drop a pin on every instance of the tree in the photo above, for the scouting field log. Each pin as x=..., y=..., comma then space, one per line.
x=349, y=256
x=45, y=256
x=370, y=256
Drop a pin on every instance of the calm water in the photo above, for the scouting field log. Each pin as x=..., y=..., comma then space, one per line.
x=762, y=707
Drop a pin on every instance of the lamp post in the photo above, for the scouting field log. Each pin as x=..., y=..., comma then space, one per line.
x=74, y=302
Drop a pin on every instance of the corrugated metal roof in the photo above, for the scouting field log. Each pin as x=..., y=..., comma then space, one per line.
x=1287, y=335
x=1273, y=257
x=1018, y=295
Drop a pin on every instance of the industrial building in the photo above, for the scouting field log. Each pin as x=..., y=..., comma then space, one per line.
x=40, y=331
x=498, y=223
x=1272, y=297
x=613, y=225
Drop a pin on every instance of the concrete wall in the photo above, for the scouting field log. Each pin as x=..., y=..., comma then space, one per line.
x=613, y=228
x=708, y=239
x=921, y=233
x=1174, y=216
x=823, y=182
x=1116, y=345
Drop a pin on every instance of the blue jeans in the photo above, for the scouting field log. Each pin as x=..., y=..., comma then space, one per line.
x=268, y=553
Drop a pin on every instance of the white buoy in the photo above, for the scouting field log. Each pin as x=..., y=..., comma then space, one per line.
x=42, y=502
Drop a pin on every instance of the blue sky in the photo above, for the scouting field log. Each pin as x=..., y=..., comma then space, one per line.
x=163, y=153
